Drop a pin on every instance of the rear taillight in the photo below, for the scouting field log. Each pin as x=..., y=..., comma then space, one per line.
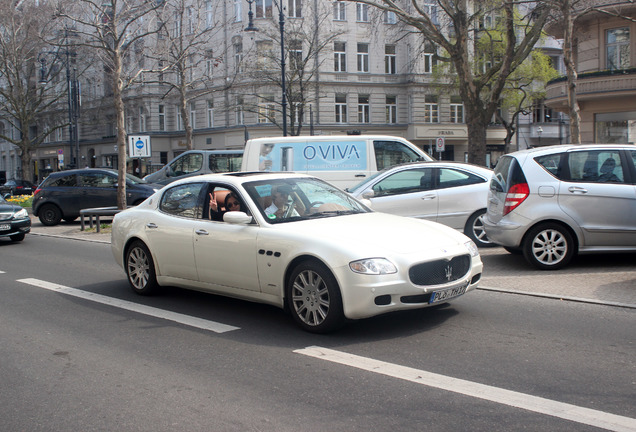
x=515, y=196
x=37, y=191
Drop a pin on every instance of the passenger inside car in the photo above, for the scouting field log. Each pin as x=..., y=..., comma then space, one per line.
x=230, y=202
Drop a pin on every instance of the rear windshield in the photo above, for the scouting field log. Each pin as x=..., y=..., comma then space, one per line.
x=507, y=174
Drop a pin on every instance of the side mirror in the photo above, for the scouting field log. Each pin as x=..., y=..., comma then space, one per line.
x=368, y=194
x=238, y=218
x=169, y=172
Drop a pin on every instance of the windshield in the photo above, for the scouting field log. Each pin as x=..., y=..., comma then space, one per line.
x=294, y=199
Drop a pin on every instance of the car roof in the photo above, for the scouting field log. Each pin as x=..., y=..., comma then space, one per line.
x=82, y=170
x=238, y=178
x=567, y=147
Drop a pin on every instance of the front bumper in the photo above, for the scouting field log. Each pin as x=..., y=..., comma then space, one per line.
x=365, y=296
x=22, y=226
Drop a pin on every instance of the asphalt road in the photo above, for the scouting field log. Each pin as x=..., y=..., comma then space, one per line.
x=80, y=353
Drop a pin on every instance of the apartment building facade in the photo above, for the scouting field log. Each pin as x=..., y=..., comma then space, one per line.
x=605, y=58
x=363, y=73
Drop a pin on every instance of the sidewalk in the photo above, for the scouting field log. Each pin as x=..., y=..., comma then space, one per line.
x=72, y=230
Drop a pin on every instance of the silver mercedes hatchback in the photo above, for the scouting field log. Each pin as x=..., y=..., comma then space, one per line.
x=551, y=203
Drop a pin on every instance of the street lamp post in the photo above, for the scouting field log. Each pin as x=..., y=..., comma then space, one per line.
x=72, y=87
x=281, y=23
x=539, y=131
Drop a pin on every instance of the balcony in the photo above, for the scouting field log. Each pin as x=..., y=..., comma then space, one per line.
x=593, y=86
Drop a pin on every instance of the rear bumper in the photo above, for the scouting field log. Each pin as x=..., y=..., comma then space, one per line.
x=504, y=233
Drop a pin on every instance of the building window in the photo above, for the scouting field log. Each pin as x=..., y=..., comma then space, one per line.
x=364, y=109
x=209, y=15
x=176, y=30
x=142, y=119
x=238, y=12
x=429, y=57
x=240, y=116
x=363, y=57
x=339, y=11
x=238, y=56
x=179, y=118
x=541, y=113
x=618, y=48
x=162, y=117
x=296, y=55
x=389, y=59
x=390, y=17
x=362, y=12
x=210, y=113
x=341, y=108
x=391, y=109
x=264, y=54
x=263, y=9
x=616, y=128
x=339, y=57
x=431, y=109
x=294, y=9
x=266, y=109
x=456, y=110
x=193, y=114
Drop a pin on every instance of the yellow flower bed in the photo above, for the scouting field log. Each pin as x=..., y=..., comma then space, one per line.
x=23, y=200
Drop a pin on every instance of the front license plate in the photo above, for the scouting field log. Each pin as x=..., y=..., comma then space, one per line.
x=5, y=227
x=447, y=294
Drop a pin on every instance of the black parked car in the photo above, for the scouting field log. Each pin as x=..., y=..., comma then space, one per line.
x=17, y=187
x=14, y=221
x=64, y=193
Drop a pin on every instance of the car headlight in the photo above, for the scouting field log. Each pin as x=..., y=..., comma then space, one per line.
x=373, y=266
x=21, y=214
x=472, y=248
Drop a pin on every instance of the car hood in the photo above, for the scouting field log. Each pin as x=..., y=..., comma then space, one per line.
x=370, y=230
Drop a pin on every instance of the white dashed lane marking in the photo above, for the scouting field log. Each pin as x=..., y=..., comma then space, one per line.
x=133, y=307
x=549, y=407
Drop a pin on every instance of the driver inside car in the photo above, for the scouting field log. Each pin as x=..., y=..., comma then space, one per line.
x=280, y=207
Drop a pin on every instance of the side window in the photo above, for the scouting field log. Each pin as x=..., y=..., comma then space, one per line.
x=407, y=181
x=224, y=162
x=449, y=178
x=64, y=181
x=390, y=153
x=97, y=180
x=598, y=166
x=187, y=164
x=183, y=200
x=551, y=163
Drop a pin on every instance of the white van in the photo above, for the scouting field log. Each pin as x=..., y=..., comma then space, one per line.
x=343, y=160
x=197, y=162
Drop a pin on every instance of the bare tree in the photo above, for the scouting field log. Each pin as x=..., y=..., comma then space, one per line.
x=116, y=30
x=186, y=50
x=305, y=39
x=23, y=100
x=456, y=26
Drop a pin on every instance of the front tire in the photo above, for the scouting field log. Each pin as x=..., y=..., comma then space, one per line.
x=140, y=269
x=50, y=214
x=548, y=246
x=475, y=229
x=314, y=298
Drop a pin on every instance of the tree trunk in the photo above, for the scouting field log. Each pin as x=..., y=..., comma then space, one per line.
x=568, y=60
x=25, y=159
x=121, y=131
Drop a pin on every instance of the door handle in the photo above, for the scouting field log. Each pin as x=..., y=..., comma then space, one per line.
x=151, y=225
x=360, y=175
x=577, y=190
x=201, y=232
x=428, y=197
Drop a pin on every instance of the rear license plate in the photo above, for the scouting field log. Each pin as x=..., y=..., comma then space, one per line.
x=447, y=294
x=5, y=227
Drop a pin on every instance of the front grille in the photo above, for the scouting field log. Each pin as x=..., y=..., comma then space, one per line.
x=440, y=271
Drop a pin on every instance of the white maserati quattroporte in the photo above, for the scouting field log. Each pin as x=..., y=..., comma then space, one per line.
x=293, y=241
